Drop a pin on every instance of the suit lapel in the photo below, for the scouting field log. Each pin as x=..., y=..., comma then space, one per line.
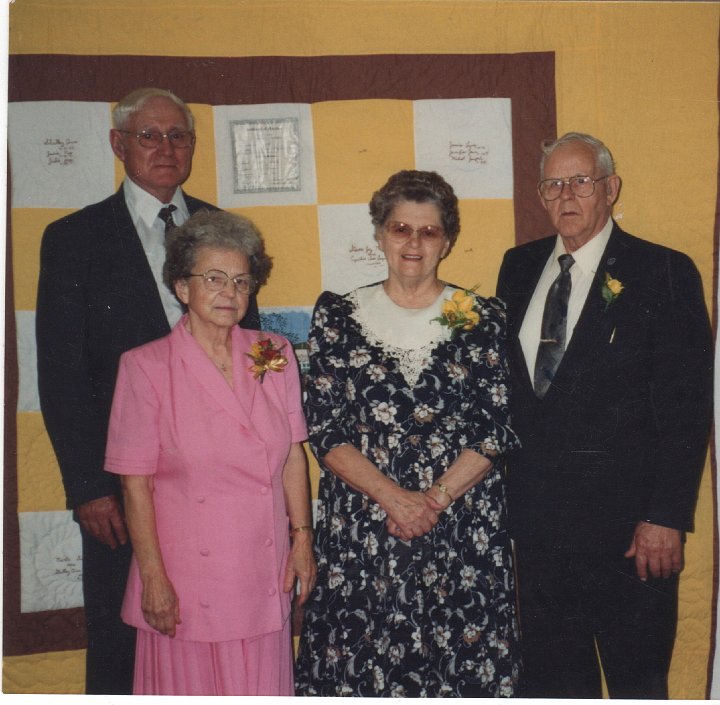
x=140, y=278
x=525, y=280
x=596, y=324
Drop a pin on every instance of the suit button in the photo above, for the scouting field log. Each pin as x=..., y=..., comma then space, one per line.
x=268, y=542
x=200, y=499
x=204, y=551
x=272, y=591
x=263, y=490
x=204, y=603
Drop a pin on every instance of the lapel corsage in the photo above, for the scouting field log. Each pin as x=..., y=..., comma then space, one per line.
x=266, y=357
x=459, y=311
x=611, y=289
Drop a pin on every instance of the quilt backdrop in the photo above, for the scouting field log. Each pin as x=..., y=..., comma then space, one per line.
x=341, y=99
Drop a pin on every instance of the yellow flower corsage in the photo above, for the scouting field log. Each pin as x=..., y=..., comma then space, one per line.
x=611, y=289
x=459, y=312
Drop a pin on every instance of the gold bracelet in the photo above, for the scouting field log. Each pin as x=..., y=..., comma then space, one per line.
x=443, y=488
x=301, y=528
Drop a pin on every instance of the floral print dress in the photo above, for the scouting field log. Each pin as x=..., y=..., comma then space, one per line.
x=433, y=616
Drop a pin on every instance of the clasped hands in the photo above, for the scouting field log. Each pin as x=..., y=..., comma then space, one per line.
x=412, y=513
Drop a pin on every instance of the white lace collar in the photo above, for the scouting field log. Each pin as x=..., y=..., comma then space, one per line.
x=407, y=334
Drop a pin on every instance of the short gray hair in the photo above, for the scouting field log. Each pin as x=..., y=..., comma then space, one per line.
x=603, y=158
x=217, y=230
x=417, y=187
x=134, y=101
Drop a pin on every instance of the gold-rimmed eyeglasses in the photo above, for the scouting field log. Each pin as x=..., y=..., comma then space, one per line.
x=216, y=280
x=150, y=139
x=582, y=186
x=402, y=232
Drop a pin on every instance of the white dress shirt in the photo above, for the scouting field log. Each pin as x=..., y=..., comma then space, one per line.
x=582, y=274
x=144, y=209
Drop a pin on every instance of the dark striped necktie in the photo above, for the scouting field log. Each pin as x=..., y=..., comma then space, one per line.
x=165, y=215
x=553, y=332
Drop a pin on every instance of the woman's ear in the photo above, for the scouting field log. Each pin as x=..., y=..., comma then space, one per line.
x=182, y=290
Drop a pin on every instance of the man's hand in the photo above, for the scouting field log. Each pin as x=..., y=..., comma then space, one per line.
x=103, y=519
x=657, y=550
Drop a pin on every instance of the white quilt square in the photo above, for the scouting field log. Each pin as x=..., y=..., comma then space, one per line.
x=50, y=562
x=468, y=141
x=28, y=398
x=349, y=254
x=265, y=155
x=60, y=155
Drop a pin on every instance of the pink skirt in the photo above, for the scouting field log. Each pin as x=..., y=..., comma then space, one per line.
x=259, y=666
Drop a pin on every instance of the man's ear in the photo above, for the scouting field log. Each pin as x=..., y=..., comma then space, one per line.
x=117, y=142
x=612, y=188
x=542, y=200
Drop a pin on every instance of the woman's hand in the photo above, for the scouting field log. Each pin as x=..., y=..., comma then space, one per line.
x=301, y=566
x=160, y=605
x=410, y=514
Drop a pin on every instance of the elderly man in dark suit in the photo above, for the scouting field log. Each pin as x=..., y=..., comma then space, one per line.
x=101, y=293
x=610, y=357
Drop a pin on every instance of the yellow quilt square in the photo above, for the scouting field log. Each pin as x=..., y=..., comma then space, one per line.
x=291, y=239
x=203, y=180
x=358, y=145
x=54, y=672
x=487, y=230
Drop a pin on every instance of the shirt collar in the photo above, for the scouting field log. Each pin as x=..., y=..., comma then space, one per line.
x=144, y=206
x=587, y=257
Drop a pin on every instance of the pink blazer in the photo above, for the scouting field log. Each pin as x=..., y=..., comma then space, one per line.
x=217, y=456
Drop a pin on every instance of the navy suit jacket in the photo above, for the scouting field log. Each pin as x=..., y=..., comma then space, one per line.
x=97, y=298
x=621, y=434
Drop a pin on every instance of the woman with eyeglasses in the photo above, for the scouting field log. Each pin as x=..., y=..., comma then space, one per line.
x=206, y=432
x=407, y=413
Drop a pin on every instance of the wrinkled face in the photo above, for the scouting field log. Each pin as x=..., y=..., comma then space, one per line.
x=413, y=256
x=159, y=170
x=224, y=308
x=577, y=219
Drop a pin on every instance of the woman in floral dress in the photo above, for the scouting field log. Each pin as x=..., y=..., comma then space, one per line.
x=407, y=411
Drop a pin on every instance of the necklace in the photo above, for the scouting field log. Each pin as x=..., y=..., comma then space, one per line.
x=221, y=365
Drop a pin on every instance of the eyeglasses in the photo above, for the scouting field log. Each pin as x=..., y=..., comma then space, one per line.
x=216, y=280
x=582, y=186
x=151, y=140
x=402, y=232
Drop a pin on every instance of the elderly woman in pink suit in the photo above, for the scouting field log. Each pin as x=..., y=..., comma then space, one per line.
x=206, y=431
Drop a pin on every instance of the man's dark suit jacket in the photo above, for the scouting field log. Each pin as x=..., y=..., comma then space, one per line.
x=97, y=298
x=621, y=434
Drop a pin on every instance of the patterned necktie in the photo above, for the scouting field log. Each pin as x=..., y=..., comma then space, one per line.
x=554, y=328
x=165, y=215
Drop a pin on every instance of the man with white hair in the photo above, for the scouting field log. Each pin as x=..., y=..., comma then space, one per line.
x=610, y=355
x=100, y=293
